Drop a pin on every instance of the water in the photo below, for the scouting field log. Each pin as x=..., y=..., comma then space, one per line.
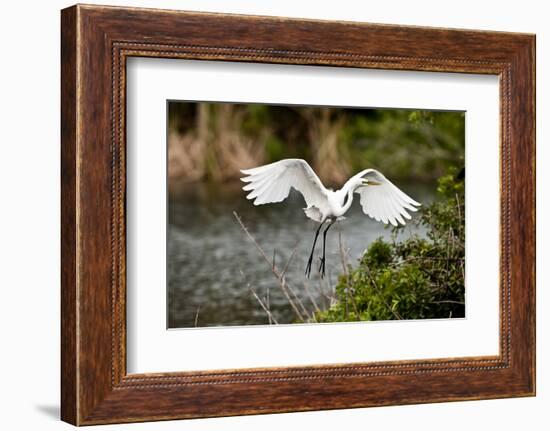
x=212, y=264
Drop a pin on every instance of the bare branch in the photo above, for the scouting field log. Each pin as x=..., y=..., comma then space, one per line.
x=290, y=259
x=270, y=316
x=197, y=316
x=279, y=276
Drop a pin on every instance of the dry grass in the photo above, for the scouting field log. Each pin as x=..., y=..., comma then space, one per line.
x=215, y=148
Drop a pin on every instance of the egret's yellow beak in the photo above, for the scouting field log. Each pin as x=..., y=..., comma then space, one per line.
x=371, y=183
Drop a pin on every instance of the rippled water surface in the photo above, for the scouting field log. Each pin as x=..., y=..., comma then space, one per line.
x=212, y=265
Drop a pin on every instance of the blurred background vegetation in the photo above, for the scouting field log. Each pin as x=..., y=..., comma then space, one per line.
x=216, y=276
x=212, y=141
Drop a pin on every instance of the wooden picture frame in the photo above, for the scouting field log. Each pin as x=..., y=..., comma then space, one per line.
x=95, y=43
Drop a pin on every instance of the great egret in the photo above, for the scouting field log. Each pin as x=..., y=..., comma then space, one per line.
x=379, y=198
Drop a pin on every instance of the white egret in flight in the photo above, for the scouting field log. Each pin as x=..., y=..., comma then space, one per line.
x=379, y=198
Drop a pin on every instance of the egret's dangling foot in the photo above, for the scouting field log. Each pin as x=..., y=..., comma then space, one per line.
x=321, y=269
x=308, y=266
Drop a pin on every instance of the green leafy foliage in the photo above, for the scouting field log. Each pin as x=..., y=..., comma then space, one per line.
x=419, y=278
x=405, y=144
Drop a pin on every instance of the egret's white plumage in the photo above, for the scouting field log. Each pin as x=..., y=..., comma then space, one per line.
x=272, y=183
x=379, y=198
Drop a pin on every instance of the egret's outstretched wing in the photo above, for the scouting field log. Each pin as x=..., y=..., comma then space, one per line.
x=384, y=201
x=272, y=183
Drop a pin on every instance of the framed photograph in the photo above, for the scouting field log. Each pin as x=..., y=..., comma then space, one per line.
x=264, y=215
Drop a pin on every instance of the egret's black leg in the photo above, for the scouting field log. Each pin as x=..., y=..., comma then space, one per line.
x=308, y=267
x=322, y=264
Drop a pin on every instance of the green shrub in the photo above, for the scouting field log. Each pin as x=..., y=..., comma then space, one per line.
x=419, y=278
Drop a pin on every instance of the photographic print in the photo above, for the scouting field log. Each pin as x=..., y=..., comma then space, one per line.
x=285, y=214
